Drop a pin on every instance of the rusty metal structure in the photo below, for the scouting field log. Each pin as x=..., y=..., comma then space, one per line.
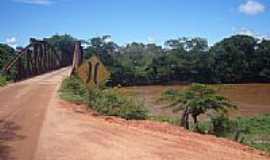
x=77, y=57
x=37, y=58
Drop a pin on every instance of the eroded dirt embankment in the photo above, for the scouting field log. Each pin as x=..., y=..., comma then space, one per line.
x=71, y=133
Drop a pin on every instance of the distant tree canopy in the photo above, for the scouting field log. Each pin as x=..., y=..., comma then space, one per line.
x=64, y=43
x=6, y=54
x=237, y=59
x=103, y=47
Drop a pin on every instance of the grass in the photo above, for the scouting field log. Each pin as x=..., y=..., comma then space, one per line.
x=257, y=131
x=106, y=101
x=111, y=102
x=3, y=81
x=73, y=90
x=252, y=131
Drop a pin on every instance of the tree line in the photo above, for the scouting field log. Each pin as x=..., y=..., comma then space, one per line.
x=237, y=59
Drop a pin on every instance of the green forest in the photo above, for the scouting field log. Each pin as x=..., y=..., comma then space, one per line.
x=237, y=59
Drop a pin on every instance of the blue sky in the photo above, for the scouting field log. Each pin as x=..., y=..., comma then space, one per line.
x=133, y=20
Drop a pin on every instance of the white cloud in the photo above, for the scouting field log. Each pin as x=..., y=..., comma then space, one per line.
x=252, y=7
x=12, y=41
x=37, y=2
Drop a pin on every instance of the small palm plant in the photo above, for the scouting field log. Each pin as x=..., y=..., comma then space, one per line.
x=196, y=100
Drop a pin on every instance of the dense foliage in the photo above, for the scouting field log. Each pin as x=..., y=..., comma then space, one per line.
x=236, y=59
x=6, y=54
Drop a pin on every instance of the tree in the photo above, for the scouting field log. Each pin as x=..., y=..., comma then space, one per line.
x=133, y=63
x=233, y=59
x=65, y=44
x=6, y=54
x=197, y=100
x=103, y=47
x=262, y=62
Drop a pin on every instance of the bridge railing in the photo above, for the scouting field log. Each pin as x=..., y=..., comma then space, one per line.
x=36, y=58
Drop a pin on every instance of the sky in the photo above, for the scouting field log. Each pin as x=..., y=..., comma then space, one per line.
x=126, y=21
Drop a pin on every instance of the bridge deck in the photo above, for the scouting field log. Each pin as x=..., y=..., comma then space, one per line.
x=22, y=109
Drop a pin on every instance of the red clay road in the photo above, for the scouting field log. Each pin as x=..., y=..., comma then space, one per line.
x=36, y=124
x=22, y=110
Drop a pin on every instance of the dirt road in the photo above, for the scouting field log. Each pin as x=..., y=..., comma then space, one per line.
x=22, y=110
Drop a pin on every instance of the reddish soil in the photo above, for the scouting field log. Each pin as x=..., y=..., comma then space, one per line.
x=71, y=132
x=22, y=110
x=251, y=99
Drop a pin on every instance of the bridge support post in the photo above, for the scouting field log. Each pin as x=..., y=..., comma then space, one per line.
x=77, y=57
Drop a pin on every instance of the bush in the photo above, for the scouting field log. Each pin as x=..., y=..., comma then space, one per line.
x=3, y=81
x=257, y=131
x=73, y=89
x=253, y=131
x=222, y=125
x=111, y=102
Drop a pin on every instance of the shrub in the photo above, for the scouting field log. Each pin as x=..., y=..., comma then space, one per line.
x=253, y=131
x=3, y=81
x=257, y=131
x=111, y=102
x=222, y=125
x=73, y=89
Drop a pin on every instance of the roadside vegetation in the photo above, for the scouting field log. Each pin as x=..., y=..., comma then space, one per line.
x=6, y=54
x=252, y=131
x=3, y=81
x=111, y=102
x=106, y=101
x=73, y=90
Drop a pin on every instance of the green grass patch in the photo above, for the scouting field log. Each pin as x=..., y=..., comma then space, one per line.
x=107, y=101
x=3, y=81
x=73, y=90
x=253, y=131
x=111, y=102
x=258, y=131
